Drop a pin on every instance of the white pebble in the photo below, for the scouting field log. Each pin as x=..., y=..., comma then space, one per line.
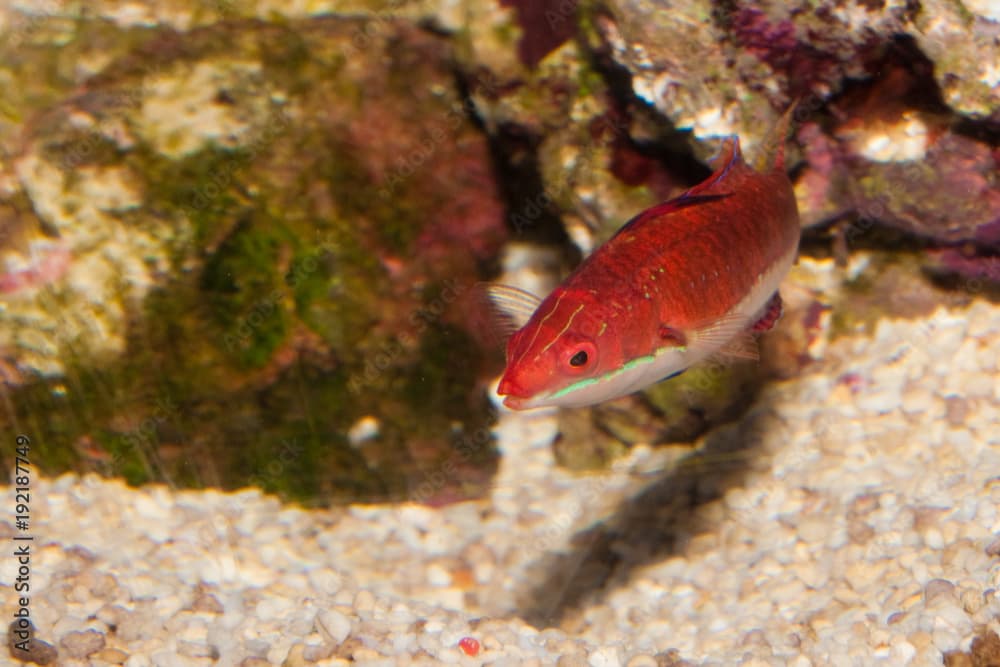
x=438, y=575
x=604, y=657
x=364, y=601
x=334, y=625
x=902, y=652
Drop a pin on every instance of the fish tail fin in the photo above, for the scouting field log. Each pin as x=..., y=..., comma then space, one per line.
x=729, y=152
x=729, y=156
x=779, y=136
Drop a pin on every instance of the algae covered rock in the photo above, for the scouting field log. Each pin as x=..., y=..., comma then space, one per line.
x=240, y=254
x=621, y=104
x=730, y=68
x=893, y=98
x=958, y=37
x=894, y=157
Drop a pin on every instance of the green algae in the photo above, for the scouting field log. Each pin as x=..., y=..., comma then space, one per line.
x=241, y=283
x=275, y=328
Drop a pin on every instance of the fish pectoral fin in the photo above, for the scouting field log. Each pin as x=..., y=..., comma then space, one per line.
x=743, y=346
x=713, y=336
x=726, y=339
x=671, y=336
x=512, y=306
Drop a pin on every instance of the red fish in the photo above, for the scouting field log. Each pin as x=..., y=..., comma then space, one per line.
x=679, y=282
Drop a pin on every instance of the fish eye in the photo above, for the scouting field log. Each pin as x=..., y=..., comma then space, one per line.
x=580, y=357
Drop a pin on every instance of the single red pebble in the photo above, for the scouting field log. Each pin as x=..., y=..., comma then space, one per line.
x=469, y=645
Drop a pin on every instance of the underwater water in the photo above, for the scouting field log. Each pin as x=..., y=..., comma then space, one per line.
x=250, y=370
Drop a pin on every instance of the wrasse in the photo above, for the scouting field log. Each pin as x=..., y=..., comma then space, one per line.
x=681, y=281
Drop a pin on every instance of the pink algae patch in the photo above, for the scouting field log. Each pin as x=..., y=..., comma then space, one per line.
x=47, y=265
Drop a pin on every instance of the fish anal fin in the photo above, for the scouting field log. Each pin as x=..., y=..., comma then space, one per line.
x=769, y=316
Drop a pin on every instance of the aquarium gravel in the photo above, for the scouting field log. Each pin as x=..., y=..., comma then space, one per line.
x=857, y=521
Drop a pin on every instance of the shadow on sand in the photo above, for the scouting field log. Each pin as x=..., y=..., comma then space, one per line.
x=651, y=526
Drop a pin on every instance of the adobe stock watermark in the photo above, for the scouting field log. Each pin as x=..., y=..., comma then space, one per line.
x=867, y=211
x=25, y=24
x=144, y=437
x=560, y=13
x=922, y=340
x=275, y=470
x=266, y=480
x=372, y=26
x=566, y=521
x=221, y=178
x=112, y=120
x=534, y=207
x=465, y=452
x=227, y=8
x=419, y=319
x=20, y=631
x=244, y=328
x=870, y=211
x=438, y=133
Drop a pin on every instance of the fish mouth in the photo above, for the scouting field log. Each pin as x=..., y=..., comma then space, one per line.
x=524, y=402
x=514, y=398
x=514, y=402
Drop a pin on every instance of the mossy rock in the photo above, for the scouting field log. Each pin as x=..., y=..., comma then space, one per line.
x=285, y=264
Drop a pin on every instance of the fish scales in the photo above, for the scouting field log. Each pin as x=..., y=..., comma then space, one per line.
x=695, y=252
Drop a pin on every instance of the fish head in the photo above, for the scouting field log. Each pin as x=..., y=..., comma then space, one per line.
x=577, y=348
x=556, y=352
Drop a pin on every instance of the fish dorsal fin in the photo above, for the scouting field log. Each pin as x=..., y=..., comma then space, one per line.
x=684, y=201
x=513, y=307
x=697, y=195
